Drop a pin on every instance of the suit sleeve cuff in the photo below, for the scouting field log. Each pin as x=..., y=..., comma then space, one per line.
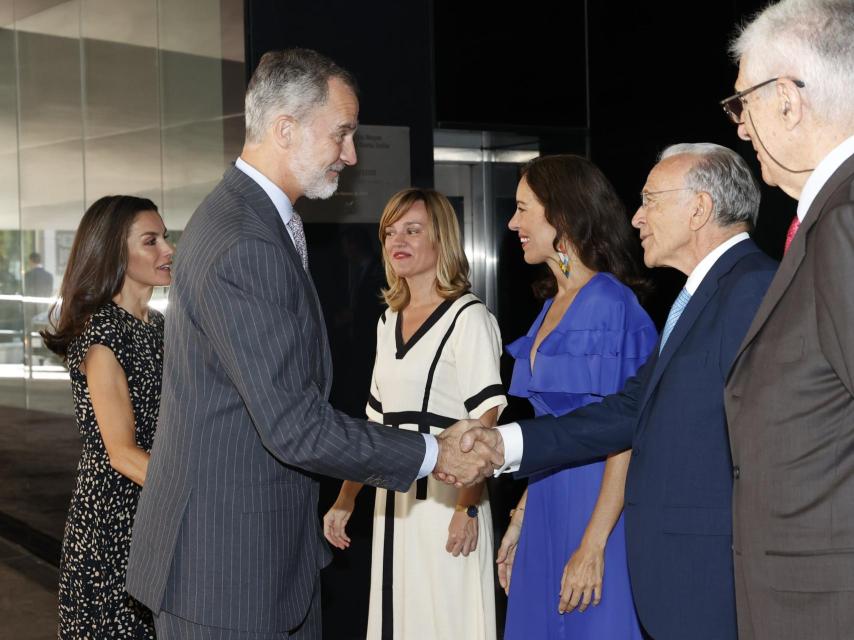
x=511, y=434
x=431, y=453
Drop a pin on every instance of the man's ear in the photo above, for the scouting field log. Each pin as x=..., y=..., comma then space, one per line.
x=285, y=131
x=702, y=211
x=789, y=103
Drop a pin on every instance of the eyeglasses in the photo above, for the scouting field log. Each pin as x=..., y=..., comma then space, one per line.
x=734, y=105
x=645, y=201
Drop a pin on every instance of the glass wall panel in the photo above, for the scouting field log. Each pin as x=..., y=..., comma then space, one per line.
x=101, y=97
x=12, y=390
x=51, y=174
x=122, y=115
x=202, y=83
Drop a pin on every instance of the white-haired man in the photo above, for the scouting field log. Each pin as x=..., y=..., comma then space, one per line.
x=226, y=542
x=790, y=395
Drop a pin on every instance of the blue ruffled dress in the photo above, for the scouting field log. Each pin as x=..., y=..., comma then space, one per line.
x=602, y=339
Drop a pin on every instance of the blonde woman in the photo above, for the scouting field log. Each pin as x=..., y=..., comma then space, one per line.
x=438, y=350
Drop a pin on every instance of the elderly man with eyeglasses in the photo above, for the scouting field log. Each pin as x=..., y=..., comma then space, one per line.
x=790, y=394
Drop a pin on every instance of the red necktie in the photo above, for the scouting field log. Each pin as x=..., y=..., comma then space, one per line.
x=790, y=234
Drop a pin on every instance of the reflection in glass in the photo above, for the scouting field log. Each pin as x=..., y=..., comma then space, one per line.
x=12, y=389
x=98, y=97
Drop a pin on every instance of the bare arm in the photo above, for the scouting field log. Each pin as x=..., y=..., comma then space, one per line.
x=349, y=490
x=108, y=389
x=463, y=531
x=583, y=574
x=335, y=520
x=507, y=551
x=609, y=506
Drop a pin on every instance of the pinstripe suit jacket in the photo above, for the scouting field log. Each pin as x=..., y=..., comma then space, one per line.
x=226, y=532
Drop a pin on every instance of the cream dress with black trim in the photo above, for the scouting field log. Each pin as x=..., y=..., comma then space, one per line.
x=448, y=370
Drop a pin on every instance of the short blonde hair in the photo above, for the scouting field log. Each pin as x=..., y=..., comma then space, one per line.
x=452, y=267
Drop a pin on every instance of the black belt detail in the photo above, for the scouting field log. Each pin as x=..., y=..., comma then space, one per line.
x=422, y=419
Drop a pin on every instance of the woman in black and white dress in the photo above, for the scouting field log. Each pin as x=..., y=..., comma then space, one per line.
x=438, y=350
x=112, y=343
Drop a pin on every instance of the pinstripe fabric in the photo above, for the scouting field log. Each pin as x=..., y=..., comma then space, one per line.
x=226, y=532
x=171, y=627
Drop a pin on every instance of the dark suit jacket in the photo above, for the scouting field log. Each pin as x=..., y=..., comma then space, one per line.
x=790, y=405
x=38, y=282
x=678, y=489
x=227, y=533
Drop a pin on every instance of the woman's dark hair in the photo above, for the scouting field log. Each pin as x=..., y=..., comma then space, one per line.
x=96, y=267
x=581, y=204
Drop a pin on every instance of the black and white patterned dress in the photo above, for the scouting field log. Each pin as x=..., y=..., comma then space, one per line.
x=93, y=603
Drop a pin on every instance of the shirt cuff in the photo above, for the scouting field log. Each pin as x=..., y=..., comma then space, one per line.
x=431, y=454
x=511, y=434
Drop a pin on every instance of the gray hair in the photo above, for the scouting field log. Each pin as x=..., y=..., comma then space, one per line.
x=725, y=176
x=808, y=40
x=291, y=82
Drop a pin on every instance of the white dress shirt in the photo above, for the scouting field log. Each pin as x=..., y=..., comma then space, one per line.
x=705, y=265
x=511, y=433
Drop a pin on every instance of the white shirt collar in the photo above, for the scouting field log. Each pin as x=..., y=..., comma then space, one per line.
x=705, y=265
x=818, y=178
x=280, y=200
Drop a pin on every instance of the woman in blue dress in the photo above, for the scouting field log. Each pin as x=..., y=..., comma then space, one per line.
x=590, y=336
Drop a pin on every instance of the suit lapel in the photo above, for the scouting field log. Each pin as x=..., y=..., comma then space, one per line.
x=689, y=316
x=260, y=202
x=794, y=256
x=698, y=302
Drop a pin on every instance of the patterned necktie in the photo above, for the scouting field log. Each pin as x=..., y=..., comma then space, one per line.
x=298, y=234
x=790, y=234
x=675, y=311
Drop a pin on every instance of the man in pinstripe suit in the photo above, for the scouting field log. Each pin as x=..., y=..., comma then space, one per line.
x=226, y=542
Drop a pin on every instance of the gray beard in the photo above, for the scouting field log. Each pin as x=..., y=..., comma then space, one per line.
x=315, y=186
x=321, y=188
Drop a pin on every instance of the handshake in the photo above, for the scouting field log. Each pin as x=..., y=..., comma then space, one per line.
x=468, y=453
